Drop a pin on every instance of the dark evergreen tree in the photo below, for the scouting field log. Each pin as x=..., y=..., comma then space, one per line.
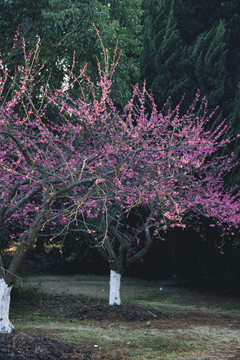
x=191, y=46
x=149, y=24
x=235, y=117
x=171, y=64
x=208, y=58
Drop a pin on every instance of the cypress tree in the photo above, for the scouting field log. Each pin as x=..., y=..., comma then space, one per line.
x=173, y=65
x=208, y=56
x=149, y=23
x=234, y=179
x=164, y=63
x=190, y=45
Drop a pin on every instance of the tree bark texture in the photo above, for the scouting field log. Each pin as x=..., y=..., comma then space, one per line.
x=5, y=324
x=114, y=293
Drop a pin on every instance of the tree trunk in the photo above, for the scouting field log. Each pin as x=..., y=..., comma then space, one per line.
x=120, y=260
x=8, y=278
x=5, y=324
x=114, y=293
x=23, y=248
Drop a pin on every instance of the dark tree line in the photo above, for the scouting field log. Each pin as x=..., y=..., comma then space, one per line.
x=189, y=45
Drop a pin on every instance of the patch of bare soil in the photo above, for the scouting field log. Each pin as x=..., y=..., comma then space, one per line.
x=186, y=320
x=19, y=346
x=76, y=307
x=126, y=313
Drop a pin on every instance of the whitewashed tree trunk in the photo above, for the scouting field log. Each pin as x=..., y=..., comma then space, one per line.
x=114, y=294
x=5, y=324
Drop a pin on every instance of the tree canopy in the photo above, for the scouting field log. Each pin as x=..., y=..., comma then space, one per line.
x=65, y=28
x=82, y=161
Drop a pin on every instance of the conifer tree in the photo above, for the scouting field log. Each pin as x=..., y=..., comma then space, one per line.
x=235, y=117
x=149, y=24
x=170, y=61
x=185, y=50
x=208, y=56
x=190, y=46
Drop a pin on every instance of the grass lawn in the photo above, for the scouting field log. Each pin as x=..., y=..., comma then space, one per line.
x=188, y=325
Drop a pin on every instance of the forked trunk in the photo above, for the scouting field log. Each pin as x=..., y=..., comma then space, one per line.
x=5, y=325
x=115, y=283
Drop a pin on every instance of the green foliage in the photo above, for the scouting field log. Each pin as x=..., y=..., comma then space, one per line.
x=19, y=14
x=208, y=56
x=189, y=45
x=185, y=50
x=235, y=114
x=171, y=70
x=66, y=27
x=173, y=65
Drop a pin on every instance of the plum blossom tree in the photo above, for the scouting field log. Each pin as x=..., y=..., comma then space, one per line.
x=167, y=174
x=122, y=176
x=42, y=167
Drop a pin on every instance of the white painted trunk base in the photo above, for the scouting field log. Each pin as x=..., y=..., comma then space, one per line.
x=5, y=324
x=114, y=294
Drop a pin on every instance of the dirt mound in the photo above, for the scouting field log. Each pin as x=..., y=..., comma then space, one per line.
x=19, y=346
x=116, y=312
